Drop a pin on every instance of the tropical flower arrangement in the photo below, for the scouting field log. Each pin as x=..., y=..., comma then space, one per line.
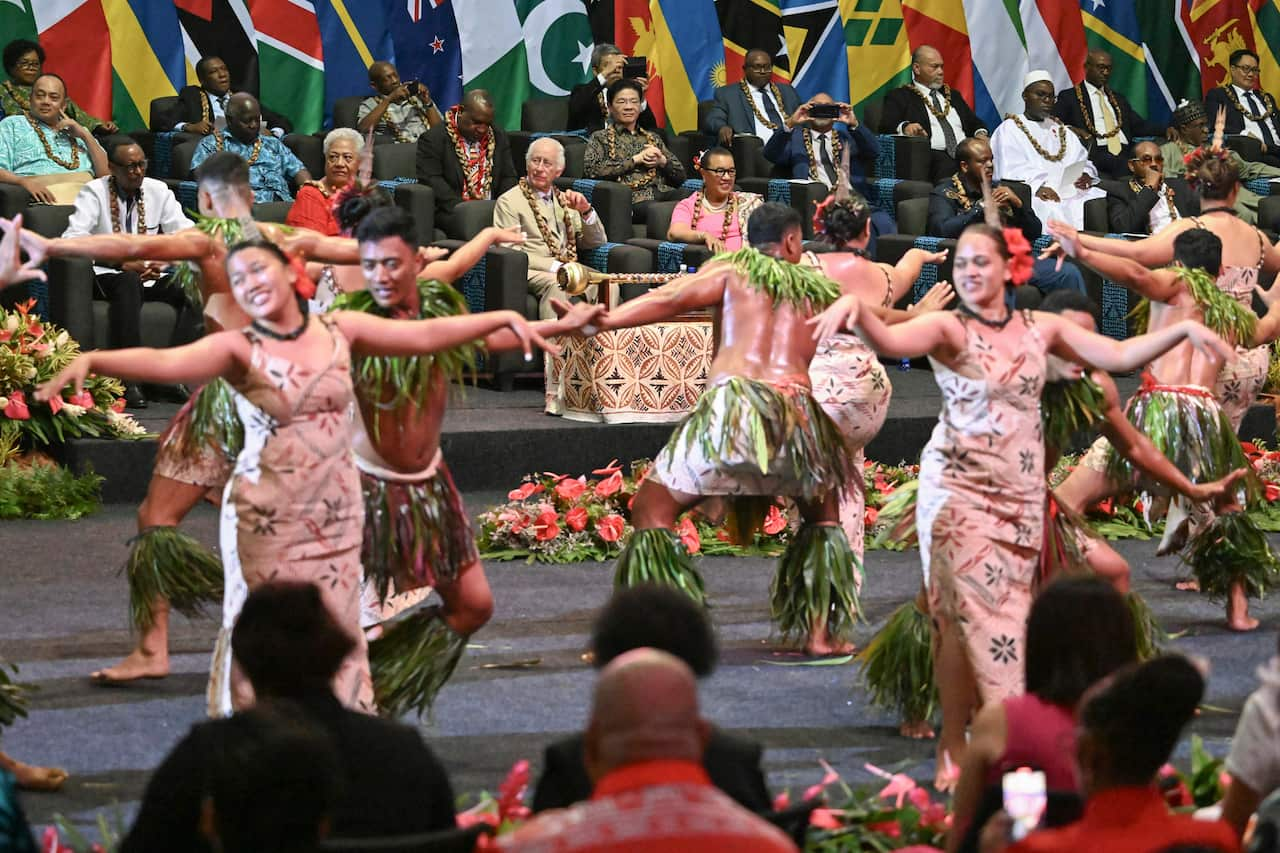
x=32, y=352
x=556, y=518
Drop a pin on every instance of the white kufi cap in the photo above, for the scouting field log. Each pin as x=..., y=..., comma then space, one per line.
x=1035, y=77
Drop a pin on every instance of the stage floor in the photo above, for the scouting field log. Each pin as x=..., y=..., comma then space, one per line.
x=519, y=687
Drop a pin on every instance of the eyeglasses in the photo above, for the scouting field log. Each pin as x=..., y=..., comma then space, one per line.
x=724, y=173
x=1149, y=158
x=137, y=166
x=1246, y=69
x=27, y=63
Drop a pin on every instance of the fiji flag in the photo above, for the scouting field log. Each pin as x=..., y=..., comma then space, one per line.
x=427, y=48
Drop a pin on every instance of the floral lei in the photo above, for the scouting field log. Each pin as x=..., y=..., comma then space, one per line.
x=730, y=209
x=646, y=176
x=1167, y=191
x=477, y=172
x=219, y=144
x=17, y=94
x=939, y=114
x=1088, y=115
x=396, y=130
x=114, y=195
x=1062, y=139
x=569, y=252
x=1267, y=101
x=1196, y=158
x=73, y=164
x=836, y=149
x=755, y=108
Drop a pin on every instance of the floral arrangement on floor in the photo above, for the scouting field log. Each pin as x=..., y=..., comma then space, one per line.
x=38, y=488
x=32, y=352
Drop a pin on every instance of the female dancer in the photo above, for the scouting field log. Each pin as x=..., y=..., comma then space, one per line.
x=981, y=502
x=292, y=508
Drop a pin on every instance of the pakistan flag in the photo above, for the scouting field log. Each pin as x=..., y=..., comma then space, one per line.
x=522, y=49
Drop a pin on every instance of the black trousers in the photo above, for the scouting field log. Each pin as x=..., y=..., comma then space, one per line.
x=125, y=293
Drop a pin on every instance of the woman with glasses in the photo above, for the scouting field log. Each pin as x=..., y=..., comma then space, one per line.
x=629, y=154
x=24, y=64
x=715, y=215
x=313, y=206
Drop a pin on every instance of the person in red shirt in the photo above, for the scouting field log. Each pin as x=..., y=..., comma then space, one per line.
x=1128, y=726
x=644, y=750
x=313, y=206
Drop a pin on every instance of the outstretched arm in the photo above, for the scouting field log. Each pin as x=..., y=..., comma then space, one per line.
x=374, y=335
x=312, y=245
x=1157, y=285
x=1152, y=251
x=1268, y=328
x=573, y=317
x=469, y=253
x=221, y=354
x=1137, y=448
x=907, y=270
x=1074, y=343
x=932, y=333
x=700, y=290
x=189, y=245
x=12, y=269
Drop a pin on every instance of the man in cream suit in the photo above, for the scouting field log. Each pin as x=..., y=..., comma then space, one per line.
x=557, y=223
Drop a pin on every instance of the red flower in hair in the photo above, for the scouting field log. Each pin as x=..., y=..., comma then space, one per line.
x=1020, y=262
x=819, y=210
x=303, y=285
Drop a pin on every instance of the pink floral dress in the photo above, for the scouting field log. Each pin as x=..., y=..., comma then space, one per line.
x=981, y=505
x=1241, y=379
x=292, y=509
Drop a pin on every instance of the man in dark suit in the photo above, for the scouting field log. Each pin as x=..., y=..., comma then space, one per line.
x=660, y=618
x=1146, y=202
x=465, y=158
x=587, y=106
x=753, y=105
x=1103, y=119
x=928, y=107
x=1250, y=112
x=957, y=203
x=203, y=109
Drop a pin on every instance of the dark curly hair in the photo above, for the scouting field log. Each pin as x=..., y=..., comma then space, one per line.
x=18, y=48
x=845, y=220
x=352, y=210
x=656, y=617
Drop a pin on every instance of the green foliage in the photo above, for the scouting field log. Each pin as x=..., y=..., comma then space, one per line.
x=1068, y=409
x=1222, y=314
x=412, y=660
x=187, y=275
x=167, y=563
x=798, y=286
x=656, y=556
x=1232, y=549
x=816, y=583
x=897, y=666
x=47, y=492
x=13, y=703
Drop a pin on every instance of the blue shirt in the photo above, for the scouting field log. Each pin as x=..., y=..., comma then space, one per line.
x=22, y=153
x=269, y=174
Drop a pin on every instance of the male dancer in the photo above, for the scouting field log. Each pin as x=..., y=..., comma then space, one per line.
x=417, y=532
x=755, y=433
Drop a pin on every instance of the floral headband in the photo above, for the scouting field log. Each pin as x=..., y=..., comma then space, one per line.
x=1020, y=264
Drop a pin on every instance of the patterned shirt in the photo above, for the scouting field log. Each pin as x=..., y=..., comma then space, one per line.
x=269, y=174
x=402, y=119
x=617, y=165
x=11, y=106
x=22, y=153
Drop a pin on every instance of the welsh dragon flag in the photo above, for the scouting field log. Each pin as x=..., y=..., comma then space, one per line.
x=522, y=49
x=290, y=61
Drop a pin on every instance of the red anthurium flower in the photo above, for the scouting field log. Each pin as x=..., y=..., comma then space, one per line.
x=1139, y=507
x=781, y=801
x=881, y=484
x=688, y=533
x=118, y=405
x=84, y=399
x=722, y=535
x=5, y=335
x=1272, y=492
x=825, y=818
x=610, y=528
x=17, y=407
x=1250, y=449
x=576, y=519
x=1106, y=507
x=525, y=491
x=55, y=404
x=774, y=523
x=511, y=792
x=889, y=828
x=546, y=526
x=523, y=521
x=570, y=490
x=870, y=515
x=608, y=469
x=609, y=485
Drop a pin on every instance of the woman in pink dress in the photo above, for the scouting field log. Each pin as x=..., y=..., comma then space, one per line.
x=292, y=509
x=716, y=215
x=981, y=502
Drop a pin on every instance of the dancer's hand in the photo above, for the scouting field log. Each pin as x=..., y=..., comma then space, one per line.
x=428, y=254
x=32, y=243
x=506, y=236
x=1268, y=297
x=938, y=297
x=12, y=269
x=591, y=312
x=529, y=337
x=73, y=374
x=1220, y=492
x=1066, y=236
x=938, y=257
x=842, y=314
x=1208, y=343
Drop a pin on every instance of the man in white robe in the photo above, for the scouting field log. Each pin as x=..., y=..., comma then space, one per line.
x=1037, y=149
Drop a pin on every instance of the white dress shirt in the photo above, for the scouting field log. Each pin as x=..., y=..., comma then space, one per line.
x=937, y=139
x=818, y=140
x=759, y=96
x=1160, y=215
x=1251, y=127
x=217, y=114
x=1099, y=102
x=93, y=212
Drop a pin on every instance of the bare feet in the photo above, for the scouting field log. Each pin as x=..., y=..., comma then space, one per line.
x=917, y=730
x=822, y=645
x=1238, y=618
x=139, y=664
x=1192, y=585
x=34, y=778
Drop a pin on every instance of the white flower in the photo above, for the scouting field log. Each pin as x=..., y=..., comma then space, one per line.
x=61, y=339
x=11, y=324
x=124, y=425
x=31, y=372
x=71, y=410
x=4, y=401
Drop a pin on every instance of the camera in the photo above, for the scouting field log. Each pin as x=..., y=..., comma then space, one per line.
x=831, y=111
x=635, y=66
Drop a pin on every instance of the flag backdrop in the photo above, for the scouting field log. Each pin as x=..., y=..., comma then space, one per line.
x=301, y=55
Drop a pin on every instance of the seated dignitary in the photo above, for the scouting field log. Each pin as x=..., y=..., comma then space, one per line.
x=715, y=216
x=753, y=105
x=271, y=165
x=588, y=102
x=402, y=110
x=44, y=151
x=23, y=64
x=202, y=109
x=314, y=206
x=1146, y=203
x=1250, y=111
x=625, y=152
x=957, y=203
x=464, y=157
x=127, y=202
x=927, y=106
x=1102, y=118
x=1037, y=149
x=1190, y=128
x=556, y=222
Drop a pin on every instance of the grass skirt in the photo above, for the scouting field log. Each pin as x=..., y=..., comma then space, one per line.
x=816, y=583
x=207, y=421
x=657, y=556
x=1232, y=548
x=897, y=666
x=166, y=563
x=412, y=660
x=415, y=534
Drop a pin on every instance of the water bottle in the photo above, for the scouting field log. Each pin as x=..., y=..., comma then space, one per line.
x=684, y=269
x=905, y=364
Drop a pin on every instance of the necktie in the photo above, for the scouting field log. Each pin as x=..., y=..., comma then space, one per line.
x=948, y=132
x=770, y=110
x=1108, y=123
x=827, y=166
x=1255, y=103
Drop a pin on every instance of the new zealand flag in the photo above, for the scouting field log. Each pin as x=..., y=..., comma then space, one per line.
x=427, y=48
